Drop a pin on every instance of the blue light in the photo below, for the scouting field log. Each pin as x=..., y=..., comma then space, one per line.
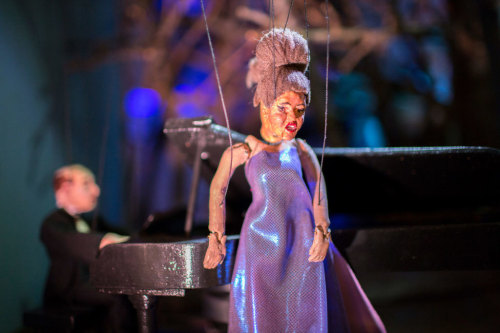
x=142, y=103
x=442, y=91
x=190, y=110
x=192, y=8
x=373, y=133
x=158, y=5
x=190, y=78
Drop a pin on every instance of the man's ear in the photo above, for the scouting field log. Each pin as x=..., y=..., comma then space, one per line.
x=61, y=194
x=64, y=186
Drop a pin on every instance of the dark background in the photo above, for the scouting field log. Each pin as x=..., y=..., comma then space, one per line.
x=91, y=82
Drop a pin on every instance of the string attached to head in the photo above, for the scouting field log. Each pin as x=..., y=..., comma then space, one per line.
x=226, y=117
x=271, y=14
x=288, y=16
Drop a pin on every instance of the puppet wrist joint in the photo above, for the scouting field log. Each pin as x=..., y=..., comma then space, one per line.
x=218, y=235
x=326, y=233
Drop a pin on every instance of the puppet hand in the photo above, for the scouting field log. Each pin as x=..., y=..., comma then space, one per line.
x=320, y=245
x=216, y=251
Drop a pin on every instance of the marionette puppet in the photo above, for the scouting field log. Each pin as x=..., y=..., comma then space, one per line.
x=288, y=275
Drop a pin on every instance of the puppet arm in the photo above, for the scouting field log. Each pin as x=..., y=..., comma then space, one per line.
x=312, y=172
x=217, y=204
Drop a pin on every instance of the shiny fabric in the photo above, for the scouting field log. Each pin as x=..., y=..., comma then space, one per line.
x=275, y=288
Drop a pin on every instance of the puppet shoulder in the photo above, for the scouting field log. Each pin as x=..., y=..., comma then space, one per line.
x=252, y=142
x=238, y=153
x=303, y=147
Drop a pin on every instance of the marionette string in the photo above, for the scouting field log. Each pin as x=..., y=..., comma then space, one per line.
x=271, y=16
x=326, y=99
x=226, y=117
x=306, y=24
x=307, y=39
x=288, y=16
x=102, y=160
x=326, y=86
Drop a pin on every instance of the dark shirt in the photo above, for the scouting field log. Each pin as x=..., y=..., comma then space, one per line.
x=70, y=252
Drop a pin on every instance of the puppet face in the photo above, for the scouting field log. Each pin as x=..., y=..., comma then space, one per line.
x=284, y=118
x=79, y=193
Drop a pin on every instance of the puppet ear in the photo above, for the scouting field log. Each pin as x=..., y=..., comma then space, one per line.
x=253, y=78
x=254, y=73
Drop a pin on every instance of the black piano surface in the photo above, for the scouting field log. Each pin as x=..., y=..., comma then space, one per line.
x=394, y=209
x=145, y=269
x=159, y=268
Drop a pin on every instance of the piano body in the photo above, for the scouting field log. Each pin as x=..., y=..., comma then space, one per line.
x=145, y=270
x=394, y=209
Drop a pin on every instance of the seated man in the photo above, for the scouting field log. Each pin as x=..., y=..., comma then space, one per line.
x=72, y=246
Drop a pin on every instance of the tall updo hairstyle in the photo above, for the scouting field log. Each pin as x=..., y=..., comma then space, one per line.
x=284, y=57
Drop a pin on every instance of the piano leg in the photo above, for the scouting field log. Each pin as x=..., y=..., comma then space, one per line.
x=144, y=305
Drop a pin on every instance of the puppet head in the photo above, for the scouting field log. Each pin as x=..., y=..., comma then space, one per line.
x=281, y=88
x=75, y=189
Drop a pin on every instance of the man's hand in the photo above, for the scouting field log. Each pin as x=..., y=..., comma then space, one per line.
x=320, y=245
x=216, y=251
x=112, y=238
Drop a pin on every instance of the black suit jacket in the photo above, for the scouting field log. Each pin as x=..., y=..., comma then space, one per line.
x=70, y=252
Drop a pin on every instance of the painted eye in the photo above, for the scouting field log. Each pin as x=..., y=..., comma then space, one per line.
x=281, y=108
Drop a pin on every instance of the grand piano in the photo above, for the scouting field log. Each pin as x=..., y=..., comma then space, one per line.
x=394, y=209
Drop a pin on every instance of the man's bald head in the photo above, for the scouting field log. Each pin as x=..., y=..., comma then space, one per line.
x=75, y=189
x=65, y=174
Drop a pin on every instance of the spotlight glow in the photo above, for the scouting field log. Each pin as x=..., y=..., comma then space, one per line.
x=142, y=103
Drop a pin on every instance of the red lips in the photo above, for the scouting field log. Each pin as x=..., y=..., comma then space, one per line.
x=291, y=127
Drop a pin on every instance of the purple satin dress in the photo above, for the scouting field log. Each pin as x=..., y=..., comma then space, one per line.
x=275, y=288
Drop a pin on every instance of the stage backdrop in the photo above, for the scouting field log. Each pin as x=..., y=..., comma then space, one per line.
x=30, y=149
x=48, y=119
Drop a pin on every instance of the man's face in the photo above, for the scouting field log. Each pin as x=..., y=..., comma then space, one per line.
x=81, y=192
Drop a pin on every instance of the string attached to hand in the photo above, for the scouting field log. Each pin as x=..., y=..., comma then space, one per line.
x=326, y=98
x=226, y=117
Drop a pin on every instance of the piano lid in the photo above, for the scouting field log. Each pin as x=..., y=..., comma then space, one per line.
x=371, y=180
x=188, y=133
